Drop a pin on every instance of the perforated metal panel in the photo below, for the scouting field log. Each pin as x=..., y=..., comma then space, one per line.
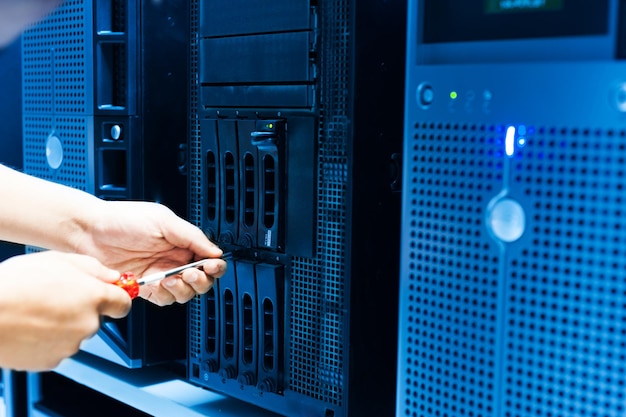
x=195, y=167
x=318, y=300
x=539, y=328
x=453, y=272
x=55, y=95
x=74, y=131
x=55, y=63
x=565, y=292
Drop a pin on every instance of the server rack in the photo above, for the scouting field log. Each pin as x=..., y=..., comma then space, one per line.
x=296, y=113
x=104, y=93
x=512, y=276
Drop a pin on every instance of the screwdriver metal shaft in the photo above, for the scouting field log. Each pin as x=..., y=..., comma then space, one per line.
x=131, y=285
x=160, y=275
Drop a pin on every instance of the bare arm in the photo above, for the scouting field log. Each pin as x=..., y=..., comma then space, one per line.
x=41, y=213
x=141, y=237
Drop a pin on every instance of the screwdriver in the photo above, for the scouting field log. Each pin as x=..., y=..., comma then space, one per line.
x=131, y=285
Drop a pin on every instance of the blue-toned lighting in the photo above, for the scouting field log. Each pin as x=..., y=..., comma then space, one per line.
x=509, y=142
x=521, y=142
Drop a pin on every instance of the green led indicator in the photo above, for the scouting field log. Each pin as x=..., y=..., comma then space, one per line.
x=270, y=125
x=453, y=95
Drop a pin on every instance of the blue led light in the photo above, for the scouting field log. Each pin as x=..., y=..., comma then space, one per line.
x=509, y=142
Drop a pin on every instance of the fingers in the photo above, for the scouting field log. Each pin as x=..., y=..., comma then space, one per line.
x=215, y=267
x=185, y=286
x=114, y=301
x=157, y=294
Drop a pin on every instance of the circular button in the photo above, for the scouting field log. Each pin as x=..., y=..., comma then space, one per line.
x=116, y=132
x=425, y=95
x=54, y=152
x=507, y=220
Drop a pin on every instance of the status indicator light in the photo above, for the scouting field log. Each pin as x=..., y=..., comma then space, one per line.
x=454, y=95
x=509, y=142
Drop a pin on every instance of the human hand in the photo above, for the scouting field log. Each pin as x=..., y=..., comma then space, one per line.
x=146, y=238
x=49, y=303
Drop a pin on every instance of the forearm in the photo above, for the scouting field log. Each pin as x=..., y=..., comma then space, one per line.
x=44, y=214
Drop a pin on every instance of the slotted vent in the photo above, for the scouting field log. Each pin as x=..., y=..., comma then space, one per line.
x=269, y=191
x=212, y=324
x=195, y=321
x=230, y=189
x=269, y=350
x=119, y=13
x=54, y=60
x=195, y=158
x=211, y=180
x=195, y=167
x=248, y=330
x=229, y=326
x=317, y=289
x=249, y=188
x=566, y=304
x=449, y=323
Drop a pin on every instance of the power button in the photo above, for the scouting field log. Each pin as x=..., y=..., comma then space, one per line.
x=425, y=95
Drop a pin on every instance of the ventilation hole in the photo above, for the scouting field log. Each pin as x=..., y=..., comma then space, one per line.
x=248, y=330
x=249, y=188
x=229, y=187
x=268, y=335
x=229, y=325
x=269, y=191
x=211, y=322
x=211, y=185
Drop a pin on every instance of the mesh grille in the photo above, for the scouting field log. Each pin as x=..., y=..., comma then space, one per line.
x=195, y=321
x=453, y=272
x=54, y=62
x=53, y=90
x=195, y=166
x=566, y=315
x=74, y=137
x=317, y=298
x=119, y=15
x=540, y=331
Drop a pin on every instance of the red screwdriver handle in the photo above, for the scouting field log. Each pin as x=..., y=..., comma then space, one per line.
x=128, y=282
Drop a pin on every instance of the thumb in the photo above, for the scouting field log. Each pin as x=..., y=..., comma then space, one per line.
x=114, y=301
